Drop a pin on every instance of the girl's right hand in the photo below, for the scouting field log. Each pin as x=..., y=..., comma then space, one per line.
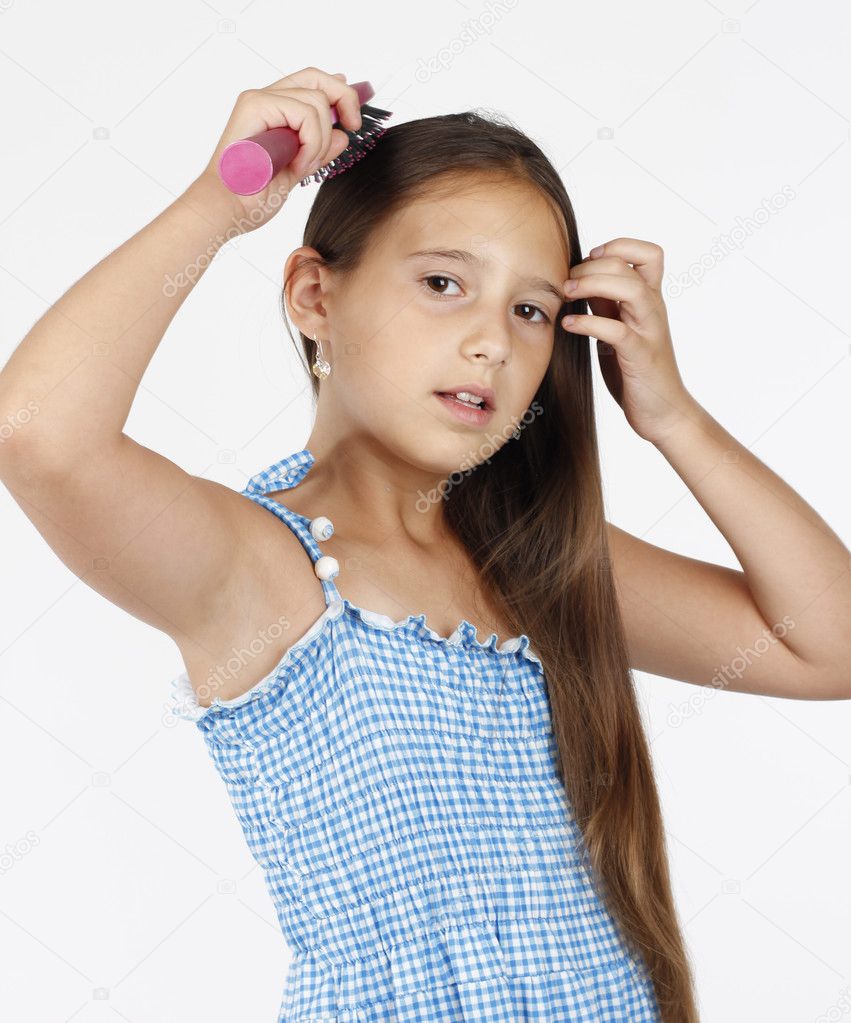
x=301, y=101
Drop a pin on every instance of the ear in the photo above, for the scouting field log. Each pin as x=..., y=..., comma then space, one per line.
x=307, y=282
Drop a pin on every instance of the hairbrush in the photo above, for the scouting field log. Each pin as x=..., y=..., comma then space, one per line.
x=248, y=165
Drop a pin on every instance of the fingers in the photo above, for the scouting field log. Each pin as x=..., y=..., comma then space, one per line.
x=315, y=131
x=647, y=258
x=605, y=329
x=616, y=286
x=603, y=264
x=335, y=89
x=628, y=292
x=301, y=101
x=321, y=142
x=308, y=112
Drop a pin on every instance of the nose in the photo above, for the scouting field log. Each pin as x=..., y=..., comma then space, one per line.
x=490, y=340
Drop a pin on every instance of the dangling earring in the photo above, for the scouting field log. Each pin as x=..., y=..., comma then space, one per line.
x=320, y=367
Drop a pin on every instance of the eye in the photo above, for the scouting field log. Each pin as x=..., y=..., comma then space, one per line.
x=437, y=277
x=526, y=305
x=441, y=295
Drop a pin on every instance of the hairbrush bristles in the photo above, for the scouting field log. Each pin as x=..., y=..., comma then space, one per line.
x=360, y=142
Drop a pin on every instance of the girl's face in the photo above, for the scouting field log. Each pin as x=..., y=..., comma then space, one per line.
x=406, y=325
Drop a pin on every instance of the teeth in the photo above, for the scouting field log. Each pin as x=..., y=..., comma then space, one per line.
x=468, y=398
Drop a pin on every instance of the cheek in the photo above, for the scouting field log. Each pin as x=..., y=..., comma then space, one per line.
x=387, y=375
x=539, y=359
x=393, y=349
x=527, y=376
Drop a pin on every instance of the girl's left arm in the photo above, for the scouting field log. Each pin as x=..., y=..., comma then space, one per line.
x=780, y=627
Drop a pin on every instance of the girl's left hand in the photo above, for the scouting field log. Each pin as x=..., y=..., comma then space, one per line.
x=622, y=285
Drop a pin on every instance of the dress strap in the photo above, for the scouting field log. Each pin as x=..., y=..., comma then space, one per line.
x=283, y=475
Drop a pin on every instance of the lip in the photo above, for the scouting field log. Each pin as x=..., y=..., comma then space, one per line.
x=471, y=416
x=477, y=389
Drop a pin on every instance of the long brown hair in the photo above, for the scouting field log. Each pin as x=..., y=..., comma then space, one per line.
x=532, y=519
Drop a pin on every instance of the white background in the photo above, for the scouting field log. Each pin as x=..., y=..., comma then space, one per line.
x=135, y=897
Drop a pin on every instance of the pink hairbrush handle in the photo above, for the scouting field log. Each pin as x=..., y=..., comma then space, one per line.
x=248, y=165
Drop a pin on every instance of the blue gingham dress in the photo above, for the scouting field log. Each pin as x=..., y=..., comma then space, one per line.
x=399, y=790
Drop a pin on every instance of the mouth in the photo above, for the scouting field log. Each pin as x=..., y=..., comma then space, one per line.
x=473, y=407
x=474, y=395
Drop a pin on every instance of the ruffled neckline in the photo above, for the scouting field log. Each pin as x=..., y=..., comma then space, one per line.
x=464, y=634
x=185, y=702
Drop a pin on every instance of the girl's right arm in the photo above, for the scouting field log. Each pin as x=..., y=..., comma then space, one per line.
x=131, y=524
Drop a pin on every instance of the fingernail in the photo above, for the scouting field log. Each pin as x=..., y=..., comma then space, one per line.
x=571, y=285
x=596, y=251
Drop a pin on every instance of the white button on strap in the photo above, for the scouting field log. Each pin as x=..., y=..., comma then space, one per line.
x=321, y=528
x=326, y=567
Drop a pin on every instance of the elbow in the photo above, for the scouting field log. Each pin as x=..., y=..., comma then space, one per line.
x=25, y=458
x=826, y=683
x=827, y=679
x=18, y=420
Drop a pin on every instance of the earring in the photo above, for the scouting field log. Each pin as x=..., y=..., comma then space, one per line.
x=321, y=368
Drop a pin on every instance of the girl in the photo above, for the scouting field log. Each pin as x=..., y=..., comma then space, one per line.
x=451, y=827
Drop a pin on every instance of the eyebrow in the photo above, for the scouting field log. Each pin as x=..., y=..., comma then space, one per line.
x=464, y=256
